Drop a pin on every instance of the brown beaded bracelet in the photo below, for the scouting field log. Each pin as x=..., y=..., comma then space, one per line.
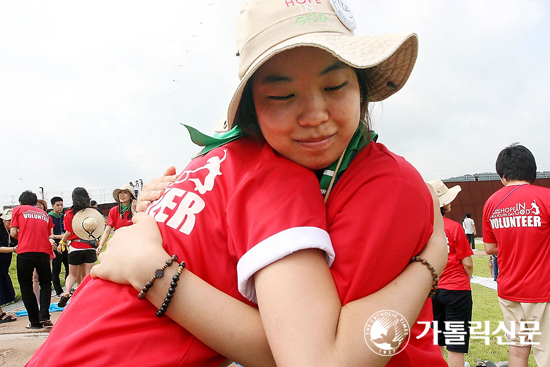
x=434, y=273
x=162, y=310
x=159, y=273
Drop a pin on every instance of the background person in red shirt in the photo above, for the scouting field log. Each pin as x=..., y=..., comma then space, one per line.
x=120, y=215
x=33, y=227
x=82, y=254
x=453, y=300
x=516, y=225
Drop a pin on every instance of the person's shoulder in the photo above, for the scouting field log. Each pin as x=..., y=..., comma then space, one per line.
x=380, y=154
x=541, y=189
x=377, y=160
x=238, y=146
x=503, y=191
x=252, y=156
x=451, y=223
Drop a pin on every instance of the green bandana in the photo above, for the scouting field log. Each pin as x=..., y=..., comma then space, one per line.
x=211, y=142
x=125, y=208
x=358, y=142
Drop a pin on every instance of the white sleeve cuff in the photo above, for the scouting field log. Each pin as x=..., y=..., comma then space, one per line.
x=275, y=248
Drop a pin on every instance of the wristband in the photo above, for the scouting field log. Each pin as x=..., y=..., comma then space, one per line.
x=435, y=277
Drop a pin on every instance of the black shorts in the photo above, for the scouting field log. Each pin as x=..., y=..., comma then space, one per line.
x=455, y=306
x=82, y=256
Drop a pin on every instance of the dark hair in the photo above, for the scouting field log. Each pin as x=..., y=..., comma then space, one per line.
x=81, y=199
x=93, y=202
x=442, y=210
x=246, y=117
x=516, y=162
x=55, y=199
x=28, y=198
x=468, y=215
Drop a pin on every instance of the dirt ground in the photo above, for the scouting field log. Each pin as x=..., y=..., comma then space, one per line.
x=18, y=344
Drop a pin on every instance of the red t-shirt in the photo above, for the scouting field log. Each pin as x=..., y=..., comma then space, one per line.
x=34, y=229
x=380, y=215
x=454, y=277
x=520, y=225
x=238, y=197
x=115, y=221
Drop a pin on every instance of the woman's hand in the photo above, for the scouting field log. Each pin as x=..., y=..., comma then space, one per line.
x=153, y=190
x=435, y=250
x=133, y=254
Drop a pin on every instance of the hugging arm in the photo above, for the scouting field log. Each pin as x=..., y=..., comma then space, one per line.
x=301, y=313
x=234, y=329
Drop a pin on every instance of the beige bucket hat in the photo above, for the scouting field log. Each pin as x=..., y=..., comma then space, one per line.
x=269, y=27
x=88, y=224
x=444, y=194
x=125, y=187
x=6, y=214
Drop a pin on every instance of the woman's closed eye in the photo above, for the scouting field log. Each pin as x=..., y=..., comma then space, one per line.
x=281, y=98
x=338, y=87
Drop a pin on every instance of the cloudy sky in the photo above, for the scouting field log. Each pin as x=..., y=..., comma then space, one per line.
x=93, y=93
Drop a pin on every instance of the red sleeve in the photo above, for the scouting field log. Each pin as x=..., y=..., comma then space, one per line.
x=488, y=235
x=68, y=221
x=111, y=218
x=380, y=216
x=277, y=210
x=15, y=217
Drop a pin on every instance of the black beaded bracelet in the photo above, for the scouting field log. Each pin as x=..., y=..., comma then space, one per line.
x=162, y=310
x=435, y=277
x=159, y=273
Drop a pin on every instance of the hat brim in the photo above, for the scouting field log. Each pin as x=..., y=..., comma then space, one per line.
x=78, y=221
x=449, y=196
x=389, y=59
x=117, y=191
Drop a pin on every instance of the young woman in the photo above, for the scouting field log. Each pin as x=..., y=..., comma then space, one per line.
x=253, y=225
x=82, y=254
x=42, y=204
x=119, y=215
x=452, y=302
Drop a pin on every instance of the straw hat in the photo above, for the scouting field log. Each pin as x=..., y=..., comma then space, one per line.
x=125, y=187
x=267, y=27
x=444, y=194
x=88, y=224
x=6, y=214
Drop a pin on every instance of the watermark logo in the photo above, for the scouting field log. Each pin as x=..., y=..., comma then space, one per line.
x=387, y=333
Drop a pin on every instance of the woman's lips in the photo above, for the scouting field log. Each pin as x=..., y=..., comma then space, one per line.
x=315, y=143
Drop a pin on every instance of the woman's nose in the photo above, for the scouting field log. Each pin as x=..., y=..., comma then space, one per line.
x=314, y=111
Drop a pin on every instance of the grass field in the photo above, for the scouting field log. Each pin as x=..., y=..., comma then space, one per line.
x=486, y=308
